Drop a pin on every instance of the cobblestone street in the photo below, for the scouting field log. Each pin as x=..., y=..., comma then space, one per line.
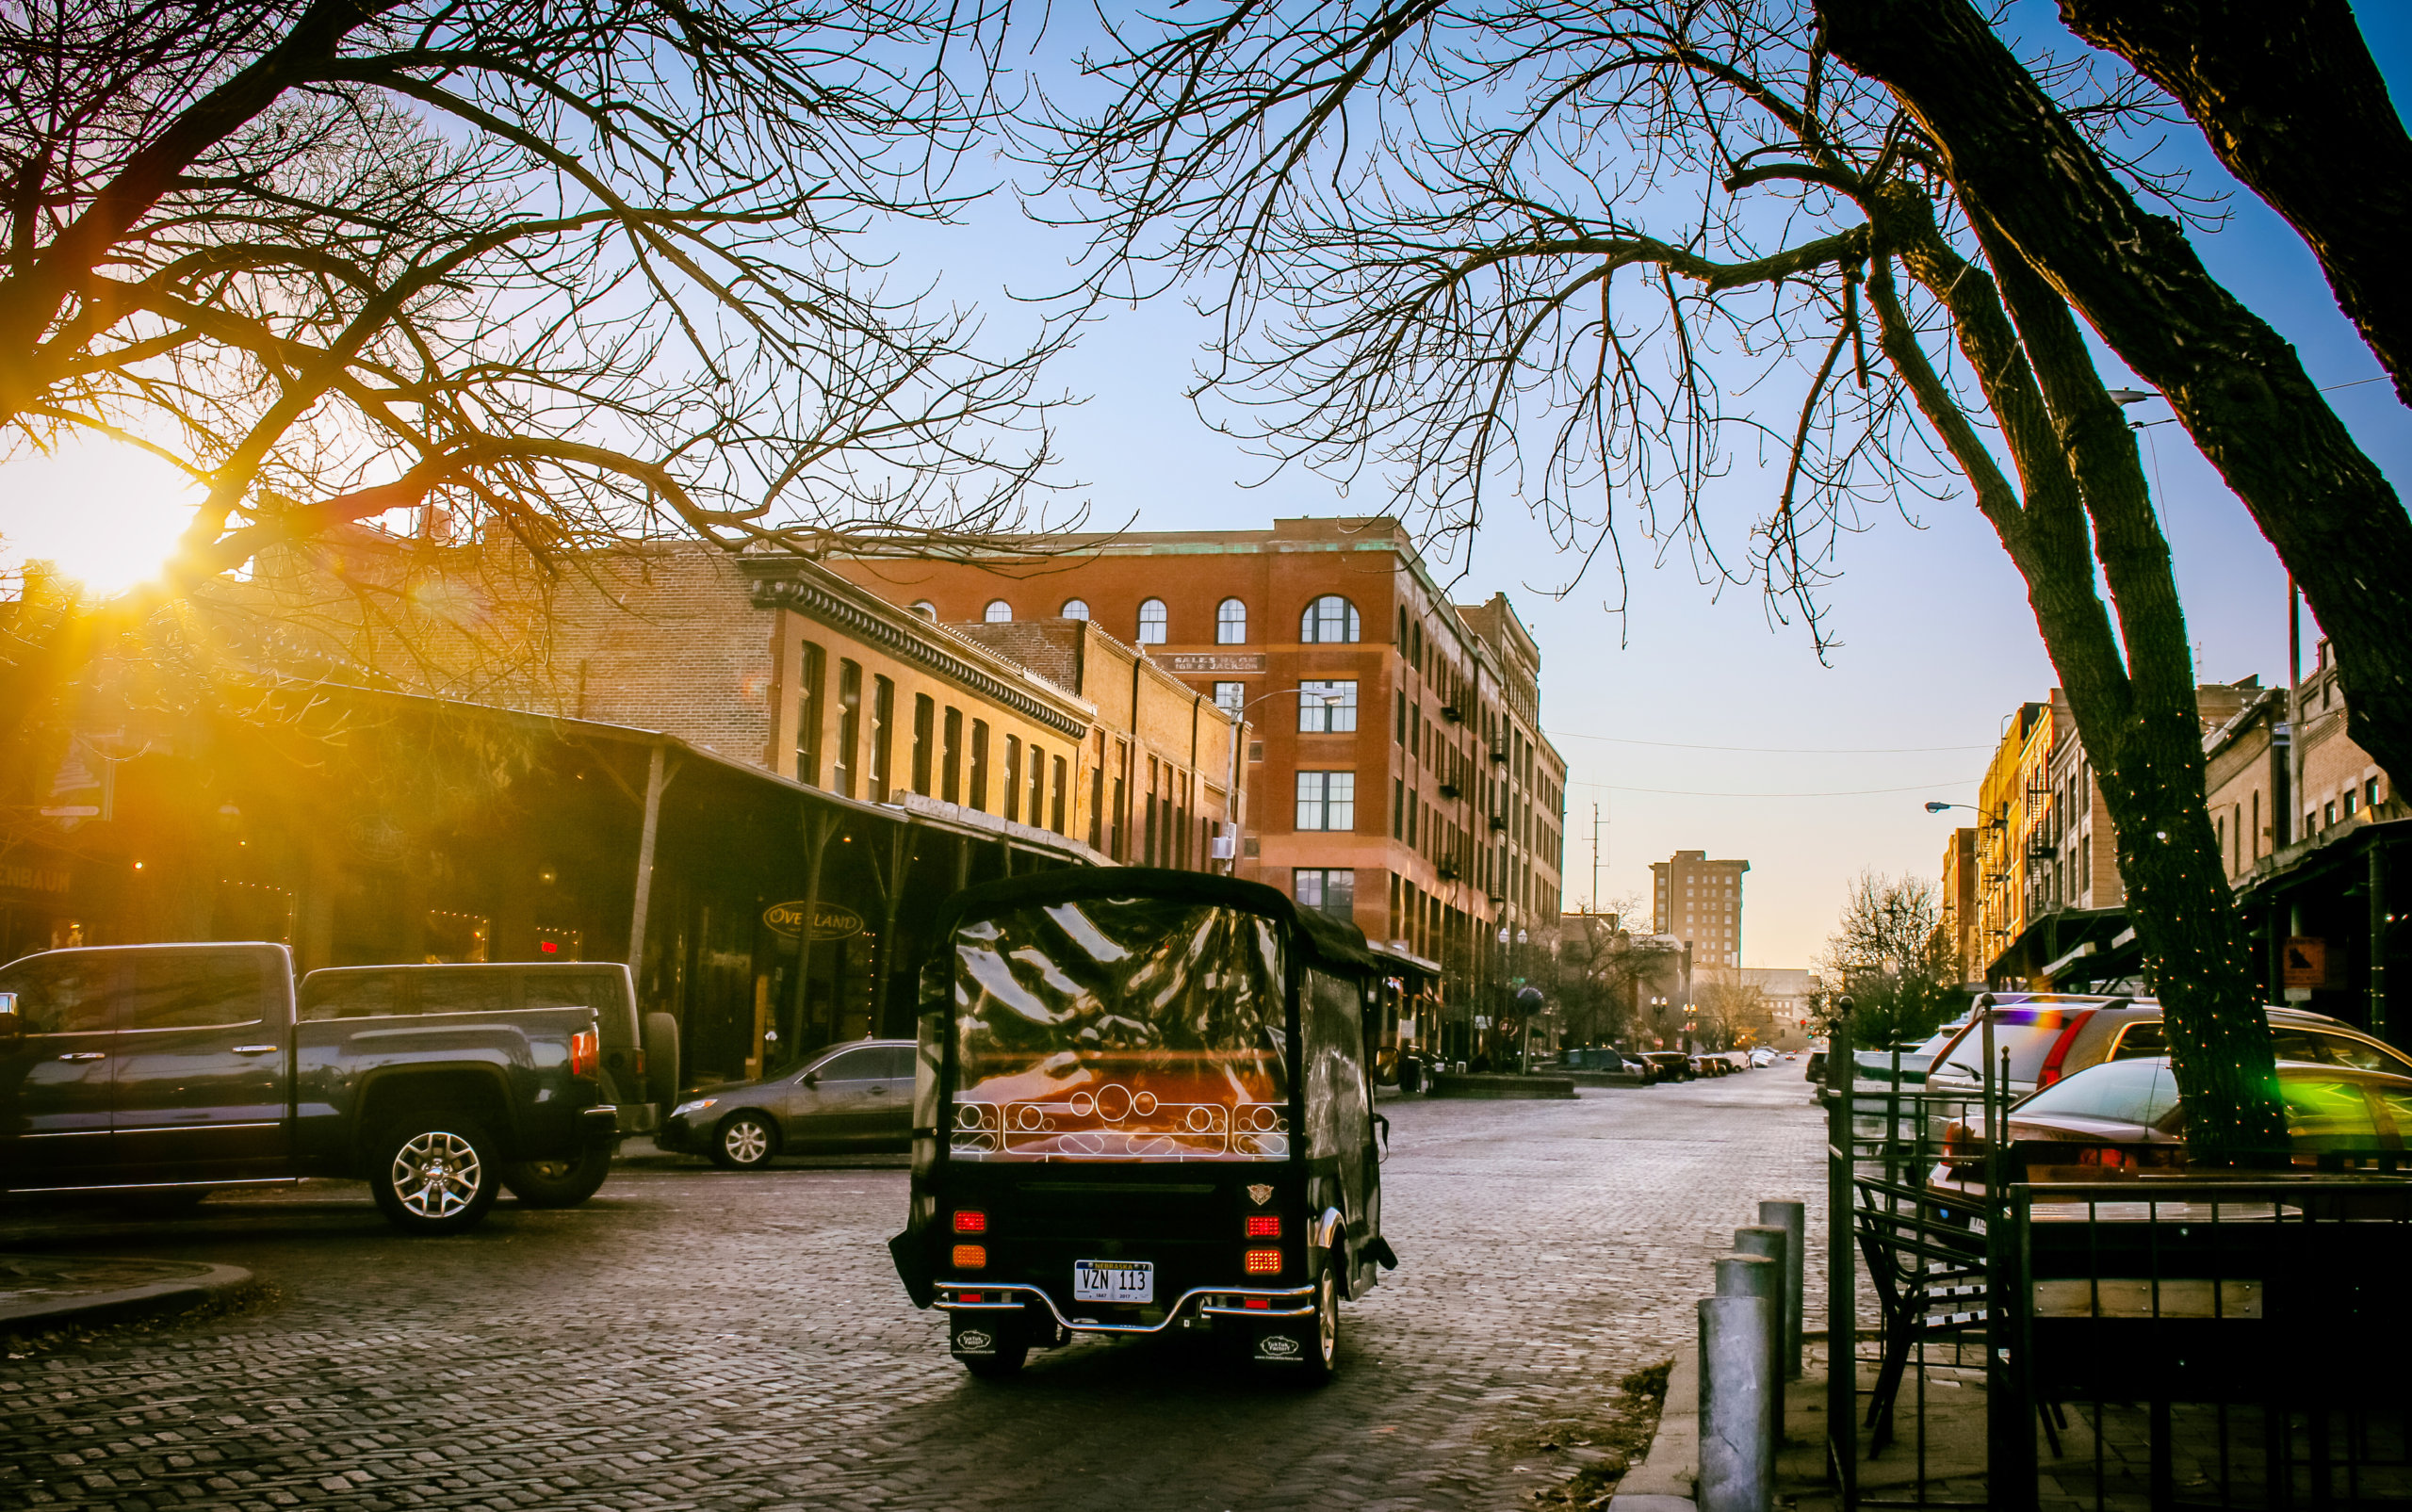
x=696, y=1339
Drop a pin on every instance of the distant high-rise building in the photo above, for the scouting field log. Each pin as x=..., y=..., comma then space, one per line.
x=1698, y=901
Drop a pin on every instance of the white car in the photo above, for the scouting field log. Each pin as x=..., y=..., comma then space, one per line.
x=1761, y=1057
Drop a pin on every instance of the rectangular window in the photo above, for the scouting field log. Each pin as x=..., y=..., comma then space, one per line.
x=1415, y=734
x=1327, y=800
x=1327, y=891
x=1231, y=695
x=807, y=713
x=1398, y=804
x=847, y=760
x=1013, y=777
x=951, y=759
x=1055, y=798
x=883, y=724
x=1398, y=720
x=1037, y=787
x=980, y=763
x=1097, y=809
x=925, y=718
x=1327, y=707
x=2353, y=799
x=1411, y=806
x=2369, y=793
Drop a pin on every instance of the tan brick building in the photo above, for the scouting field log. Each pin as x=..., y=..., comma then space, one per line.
x=1398, y=773
x=1698, y=901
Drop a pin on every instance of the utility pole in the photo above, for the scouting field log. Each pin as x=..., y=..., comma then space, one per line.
x=1595, y=857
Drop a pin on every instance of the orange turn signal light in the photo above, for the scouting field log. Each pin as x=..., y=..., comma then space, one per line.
x=971, y=1257
x=1264, y=1261
x=1265, y=1226
x=971, y=1221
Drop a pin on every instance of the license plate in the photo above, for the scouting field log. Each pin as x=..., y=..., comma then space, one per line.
x=1113, y=1281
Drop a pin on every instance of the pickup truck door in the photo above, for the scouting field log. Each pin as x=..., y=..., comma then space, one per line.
x=202, y=1049
x=55, y=1079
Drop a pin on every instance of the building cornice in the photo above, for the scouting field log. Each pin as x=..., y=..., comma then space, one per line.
x=788, y=588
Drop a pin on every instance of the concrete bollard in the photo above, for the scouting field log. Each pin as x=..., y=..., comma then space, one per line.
x=1767, y=1242
x=1736, y=1435
x=1793, y=1218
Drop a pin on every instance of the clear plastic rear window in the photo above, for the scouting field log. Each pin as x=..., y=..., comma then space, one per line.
x=1132, y=1028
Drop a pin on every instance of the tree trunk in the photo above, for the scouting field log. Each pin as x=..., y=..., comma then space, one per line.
x=2133, y=693
x=2291, y=100
x=2235, y=383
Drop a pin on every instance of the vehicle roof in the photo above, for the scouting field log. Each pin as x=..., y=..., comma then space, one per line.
x=2288, y=1070
x=1323, y=936
x=2152, y=1005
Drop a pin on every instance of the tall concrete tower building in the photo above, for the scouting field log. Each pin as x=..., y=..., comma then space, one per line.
x=1700, y=902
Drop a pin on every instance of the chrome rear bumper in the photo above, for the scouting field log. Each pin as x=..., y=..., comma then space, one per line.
x=1209, y=1301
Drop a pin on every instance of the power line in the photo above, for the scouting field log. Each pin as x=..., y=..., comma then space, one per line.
x=1772, y=749
x=1854, y=792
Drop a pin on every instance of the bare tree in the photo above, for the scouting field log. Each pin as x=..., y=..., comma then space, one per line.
x=1532, y=246
x=2292, y=100
x=571, y=275
x=2021, y=161
x=1603, y=970
x=1890, y=953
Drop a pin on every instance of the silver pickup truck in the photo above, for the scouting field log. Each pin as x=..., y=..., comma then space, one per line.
x=167, y=1071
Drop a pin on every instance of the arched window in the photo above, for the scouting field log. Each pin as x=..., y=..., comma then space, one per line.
x=1230, y=622
x=1151, y=622
x=925, y=609
x=1076, y=608
x=1402, y=629
x=998, y=612
x=1331, y=618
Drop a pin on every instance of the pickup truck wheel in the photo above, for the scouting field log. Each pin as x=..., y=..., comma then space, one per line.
x=558, y=1183
x=744, y=1142
x=434, y=1174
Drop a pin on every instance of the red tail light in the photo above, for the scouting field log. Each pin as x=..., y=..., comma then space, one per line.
x=2059, y=1051
x=969, y=1296
x=971, y=1257
x=1263, y=1263
x=2105, y=1156
x=585, y=1053
x=1961, y=1148
x=1265, y=1226
x=640, y=1059
x=971, y=1221
x=1260, y=1304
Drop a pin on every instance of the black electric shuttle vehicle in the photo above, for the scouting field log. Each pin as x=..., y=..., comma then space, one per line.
x=1143, y=1103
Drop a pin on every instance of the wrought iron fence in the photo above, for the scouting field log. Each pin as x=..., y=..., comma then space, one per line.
x=2139, y=1337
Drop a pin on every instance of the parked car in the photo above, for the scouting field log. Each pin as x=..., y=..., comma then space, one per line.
x=2050, y=1036
x=1913, y=1058
x=1815, y=1070
x=856, y=1092
x=169, y=1071
x=2127, y=1113
x=1761, y=1057
x=1668, y=1065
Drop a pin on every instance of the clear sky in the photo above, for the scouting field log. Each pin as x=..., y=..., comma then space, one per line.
x=1653, y=710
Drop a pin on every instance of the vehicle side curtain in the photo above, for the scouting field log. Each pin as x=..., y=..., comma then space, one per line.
x=1340, y=1112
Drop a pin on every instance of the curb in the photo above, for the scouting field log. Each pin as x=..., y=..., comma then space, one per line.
x=1474, y=1084
x=1668, y=1475
x=184, y=1284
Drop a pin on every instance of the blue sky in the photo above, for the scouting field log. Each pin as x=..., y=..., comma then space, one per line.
x=1937, y=645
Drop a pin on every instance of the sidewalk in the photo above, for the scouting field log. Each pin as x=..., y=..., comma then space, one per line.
x=41, y=1291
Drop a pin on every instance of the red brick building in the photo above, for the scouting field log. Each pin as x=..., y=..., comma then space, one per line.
x=1398, y=776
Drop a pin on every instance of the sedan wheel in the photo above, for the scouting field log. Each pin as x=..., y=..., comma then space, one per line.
x=746, y=1142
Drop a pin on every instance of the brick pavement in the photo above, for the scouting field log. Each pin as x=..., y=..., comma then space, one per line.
x=723, y=1340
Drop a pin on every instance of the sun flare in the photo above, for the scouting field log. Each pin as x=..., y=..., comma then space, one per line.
x=101, y=513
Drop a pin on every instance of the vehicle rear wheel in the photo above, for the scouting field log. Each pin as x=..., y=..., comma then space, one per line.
x=1320, y=1360
x=558, y=1183
x=434, y=1174
x=744, y=1142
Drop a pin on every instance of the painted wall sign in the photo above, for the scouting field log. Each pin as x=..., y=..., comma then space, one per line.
x=830, y=921
x=1215, y=661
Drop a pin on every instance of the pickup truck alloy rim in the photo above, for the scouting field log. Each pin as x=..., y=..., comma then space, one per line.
x=746, y=1141
x=437, y=1174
